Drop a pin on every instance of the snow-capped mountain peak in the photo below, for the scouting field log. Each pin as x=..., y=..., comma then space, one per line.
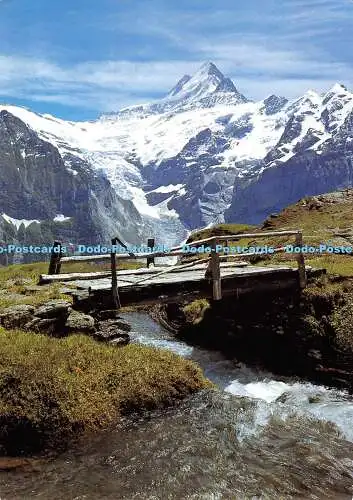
x=337, y=91
x=338, y=88
x=204, y=84
x=207, y=88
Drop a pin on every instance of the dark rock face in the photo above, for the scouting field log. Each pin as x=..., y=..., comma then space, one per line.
x=274, y=103
x=36, y=184
x=307, y=173
x=209, y=187
x=48, y=326
x=288, y=334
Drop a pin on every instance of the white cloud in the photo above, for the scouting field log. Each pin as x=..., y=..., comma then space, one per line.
x=110, y=85
x=101, y=86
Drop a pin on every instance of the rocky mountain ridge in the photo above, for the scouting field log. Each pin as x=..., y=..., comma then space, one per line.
x=37, y=190
x=203, y=154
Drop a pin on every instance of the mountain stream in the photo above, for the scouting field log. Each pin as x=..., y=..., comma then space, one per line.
x=258, y=437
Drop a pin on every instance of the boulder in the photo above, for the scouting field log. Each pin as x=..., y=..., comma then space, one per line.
x=120, y=341
x=112, y=330
x=118, y=324
x=53, y=309
x=78, y=322
x=110, y=335
x=16, y=316
x=50, y=326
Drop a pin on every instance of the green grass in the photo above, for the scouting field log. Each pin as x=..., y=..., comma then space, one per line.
x=52, y=389
x=15, y=278
x=331, y=221
x=219, y=230
x=341, y=265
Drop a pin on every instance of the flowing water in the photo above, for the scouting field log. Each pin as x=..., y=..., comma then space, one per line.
x=258, y=437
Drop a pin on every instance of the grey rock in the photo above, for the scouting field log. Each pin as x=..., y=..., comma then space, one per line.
x=110, y=330
x=109, y=335
x=16, y=316
x=49, y=326
x=78, y=322
x=118, y=324
x=53, y=308
x=120, y=341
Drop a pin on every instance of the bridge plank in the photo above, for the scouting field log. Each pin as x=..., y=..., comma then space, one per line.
x=51, y=278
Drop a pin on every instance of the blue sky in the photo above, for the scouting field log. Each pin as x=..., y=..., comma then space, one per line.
x=78, y=58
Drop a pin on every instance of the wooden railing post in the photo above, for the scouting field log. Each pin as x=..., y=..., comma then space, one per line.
x=55, y=259
x=115, y=292
x=151, y=244
x=216, y=272
x=301, y=261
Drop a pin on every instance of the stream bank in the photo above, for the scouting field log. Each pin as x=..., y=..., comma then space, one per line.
x=308, y=334
x=259, y=436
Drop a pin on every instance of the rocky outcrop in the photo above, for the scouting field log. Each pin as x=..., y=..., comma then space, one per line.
x=57, y=318
x=53, y=309
x=38, y=183
x=303, y=175
x=308, y=334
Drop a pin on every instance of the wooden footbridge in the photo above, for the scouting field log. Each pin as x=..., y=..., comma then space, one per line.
x=215, y=276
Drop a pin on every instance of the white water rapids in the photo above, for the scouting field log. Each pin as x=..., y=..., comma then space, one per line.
x=272, y=395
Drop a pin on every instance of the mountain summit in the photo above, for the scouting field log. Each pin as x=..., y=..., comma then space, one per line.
x=206, y=81
x=206, y=88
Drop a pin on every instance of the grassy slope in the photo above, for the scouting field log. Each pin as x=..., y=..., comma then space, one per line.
x=322, y=219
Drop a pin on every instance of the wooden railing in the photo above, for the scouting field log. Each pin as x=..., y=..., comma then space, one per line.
x=214, y=259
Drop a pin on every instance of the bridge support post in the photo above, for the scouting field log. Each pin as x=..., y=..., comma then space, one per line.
x=115, y=292
x=301, y=261
x=216, y=273
x=151, y=244
x=55, y=259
